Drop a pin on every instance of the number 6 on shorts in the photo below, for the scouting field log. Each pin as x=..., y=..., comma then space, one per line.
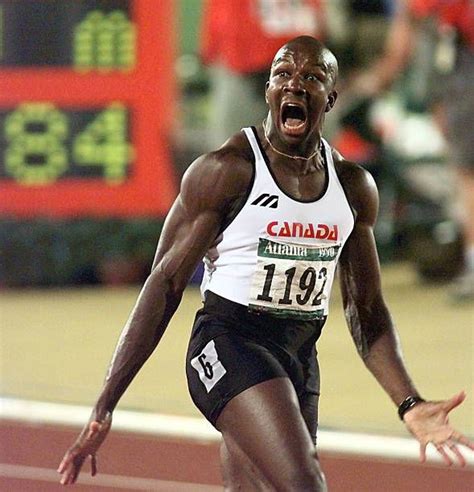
x=208, y=366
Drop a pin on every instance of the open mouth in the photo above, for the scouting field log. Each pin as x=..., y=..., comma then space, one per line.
x=293, y=117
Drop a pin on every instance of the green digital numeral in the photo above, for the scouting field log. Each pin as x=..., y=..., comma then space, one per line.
x=104, y=41
x=104, y=143
x=38, y=134
x=36, y=154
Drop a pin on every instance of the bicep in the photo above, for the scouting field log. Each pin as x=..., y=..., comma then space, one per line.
x=186, y=236
x=194, y=220
x=197, y=215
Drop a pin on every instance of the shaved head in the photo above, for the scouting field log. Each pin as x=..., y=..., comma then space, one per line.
x=315, y=49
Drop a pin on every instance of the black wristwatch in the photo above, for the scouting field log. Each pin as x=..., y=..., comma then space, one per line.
x=408, y=403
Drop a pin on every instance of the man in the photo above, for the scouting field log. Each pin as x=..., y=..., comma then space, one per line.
x=272, y=209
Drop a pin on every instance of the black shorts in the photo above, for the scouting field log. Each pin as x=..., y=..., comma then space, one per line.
x=230, y=351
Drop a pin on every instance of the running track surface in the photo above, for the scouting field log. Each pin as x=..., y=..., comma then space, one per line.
x=30, y=453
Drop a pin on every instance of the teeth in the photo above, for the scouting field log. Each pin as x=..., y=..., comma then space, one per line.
x=293, y=123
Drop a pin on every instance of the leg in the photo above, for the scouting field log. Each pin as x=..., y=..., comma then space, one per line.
x=266, y=424
x=238, y=472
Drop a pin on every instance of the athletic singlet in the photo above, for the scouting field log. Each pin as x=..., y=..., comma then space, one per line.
x=279, y=254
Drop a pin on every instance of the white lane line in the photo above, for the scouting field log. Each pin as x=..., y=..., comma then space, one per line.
x=38, y=412
x=198, y=429
x=105, y=480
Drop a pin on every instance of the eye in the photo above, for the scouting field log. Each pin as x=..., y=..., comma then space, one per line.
x=312, y=77
x=282, y=73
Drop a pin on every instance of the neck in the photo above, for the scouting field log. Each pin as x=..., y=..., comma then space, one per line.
x=290, y=156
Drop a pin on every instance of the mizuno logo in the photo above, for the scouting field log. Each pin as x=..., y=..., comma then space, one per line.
x=266, y=200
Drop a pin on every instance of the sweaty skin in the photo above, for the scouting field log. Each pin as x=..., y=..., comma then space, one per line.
x=267, y=416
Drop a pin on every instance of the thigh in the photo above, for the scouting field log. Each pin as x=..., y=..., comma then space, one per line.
x=265, y=422
x=222, y=367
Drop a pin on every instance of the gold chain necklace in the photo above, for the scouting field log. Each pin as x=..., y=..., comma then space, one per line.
x=294, y=157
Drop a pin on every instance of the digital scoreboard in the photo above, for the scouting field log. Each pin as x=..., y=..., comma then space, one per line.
x=87, y=107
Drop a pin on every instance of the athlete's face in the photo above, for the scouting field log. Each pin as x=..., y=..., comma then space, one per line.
x=300, y=91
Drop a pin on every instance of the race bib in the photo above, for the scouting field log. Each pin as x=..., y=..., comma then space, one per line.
x=293, y=280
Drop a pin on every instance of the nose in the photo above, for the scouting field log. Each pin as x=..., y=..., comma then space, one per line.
x=295, y=85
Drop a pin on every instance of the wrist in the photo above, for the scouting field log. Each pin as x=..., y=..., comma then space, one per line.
x=407, y=404
x=102, y=411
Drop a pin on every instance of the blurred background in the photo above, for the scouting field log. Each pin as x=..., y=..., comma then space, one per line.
x=103, y=106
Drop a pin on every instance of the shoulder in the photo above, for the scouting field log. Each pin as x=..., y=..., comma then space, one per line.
x=221, y=176
x=359, y=186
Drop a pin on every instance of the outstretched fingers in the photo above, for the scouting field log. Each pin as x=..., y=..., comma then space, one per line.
x=423, y=452
x=449, y=449
x=454, y=401
x=461, y=439
x=446, y=458
x=451, y=454
x=457, y=453
x=429, y=423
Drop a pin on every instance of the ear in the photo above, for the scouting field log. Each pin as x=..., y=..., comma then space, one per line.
x=331, y=101
x=267, y=84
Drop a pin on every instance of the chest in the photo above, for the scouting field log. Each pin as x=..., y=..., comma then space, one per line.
x=306, y=186
x=271, y=212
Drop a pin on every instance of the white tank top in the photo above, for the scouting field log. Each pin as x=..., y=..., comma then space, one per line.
x=279, y=254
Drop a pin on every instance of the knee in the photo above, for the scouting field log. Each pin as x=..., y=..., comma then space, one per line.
x=307, y=477
x=239, y=474
x=308, y=481
x=228, y=470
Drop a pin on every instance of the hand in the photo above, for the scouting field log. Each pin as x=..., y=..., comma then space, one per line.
x=87, y=444
x=428, y=422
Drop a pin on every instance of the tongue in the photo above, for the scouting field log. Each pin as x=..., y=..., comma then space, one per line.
x=293, y=122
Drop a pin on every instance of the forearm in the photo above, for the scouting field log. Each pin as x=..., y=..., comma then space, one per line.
x=146, y=325
x=378, y=345
x=385, y=362
x=366, y=313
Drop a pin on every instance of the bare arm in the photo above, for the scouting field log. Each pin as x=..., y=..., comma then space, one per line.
x=369, y=320
x=189, y=230
x=372, y=328
x=207, y=191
